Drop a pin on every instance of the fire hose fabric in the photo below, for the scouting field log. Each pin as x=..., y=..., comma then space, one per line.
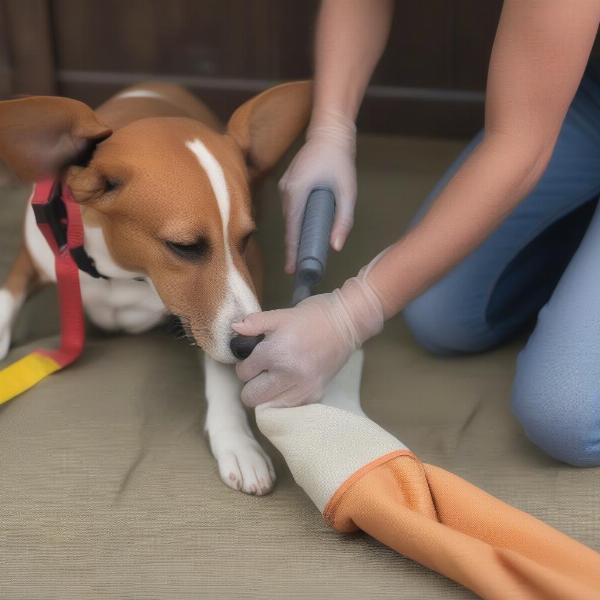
x=361, y=478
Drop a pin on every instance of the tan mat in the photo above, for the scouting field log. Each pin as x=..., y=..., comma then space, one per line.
x=108, y=489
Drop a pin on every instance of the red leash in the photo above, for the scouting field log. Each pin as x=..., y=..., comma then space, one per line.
x=59, y=218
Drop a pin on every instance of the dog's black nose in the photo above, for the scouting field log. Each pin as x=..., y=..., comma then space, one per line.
x=242, y=345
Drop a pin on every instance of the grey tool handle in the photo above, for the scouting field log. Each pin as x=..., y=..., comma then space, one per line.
x=314, y=242
x=311, y=260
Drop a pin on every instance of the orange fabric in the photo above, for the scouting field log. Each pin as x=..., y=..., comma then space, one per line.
x=458, y=530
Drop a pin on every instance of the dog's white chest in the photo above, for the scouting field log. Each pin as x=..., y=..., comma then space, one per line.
x=120, y=304
x=115, y=304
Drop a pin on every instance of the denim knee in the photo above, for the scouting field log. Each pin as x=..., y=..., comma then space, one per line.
x=441, y=325
x=559, y=415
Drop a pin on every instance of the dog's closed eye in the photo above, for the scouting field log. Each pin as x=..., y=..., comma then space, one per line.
x=190, y=252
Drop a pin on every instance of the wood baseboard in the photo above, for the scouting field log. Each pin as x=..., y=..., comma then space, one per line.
x=386, y=109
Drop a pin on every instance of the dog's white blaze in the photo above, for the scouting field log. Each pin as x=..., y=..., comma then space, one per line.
x=239, y=300
x=140, y=94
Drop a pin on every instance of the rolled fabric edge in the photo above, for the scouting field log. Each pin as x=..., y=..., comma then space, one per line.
x=330, y=510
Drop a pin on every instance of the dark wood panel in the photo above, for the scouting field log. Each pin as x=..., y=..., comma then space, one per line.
x=474, y=31
x=6, y=84
x=419, y=51
x=29, y=39
x=432, y=44
x=426, y=112
x=292, y=30
x=229, y=38
x=408, y=111
x=430, y=80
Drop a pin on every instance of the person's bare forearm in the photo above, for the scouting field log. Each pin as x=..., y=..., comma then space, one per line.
x=488, y=186
x=350, y=38
x=540, y=52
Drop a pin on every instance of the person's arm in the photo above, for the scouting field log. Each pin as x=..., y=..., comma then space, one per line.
x=539, y=55
x=538, y=59
x=350, y=38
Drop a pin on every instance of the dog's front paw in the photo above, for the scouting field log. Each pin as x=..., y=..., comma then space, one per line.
x=6, y=319
x=243, y=464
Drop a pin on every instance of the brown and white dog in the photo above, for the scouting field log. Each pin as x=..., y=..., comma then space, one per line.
x=165, y=199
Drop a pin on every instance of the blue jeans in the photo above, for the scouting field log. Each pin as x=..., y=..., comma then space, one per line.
x=543, y=260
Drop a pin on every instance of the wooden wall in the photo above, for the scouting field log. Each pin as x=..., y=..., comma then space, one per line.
x=430, y=82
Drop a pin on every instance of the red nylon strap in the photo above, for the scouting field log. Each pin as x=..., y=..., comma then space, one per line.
x=72, y=321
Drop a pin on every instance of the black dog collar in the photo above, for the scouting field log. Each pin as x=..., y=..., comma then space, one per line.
x=54, y=214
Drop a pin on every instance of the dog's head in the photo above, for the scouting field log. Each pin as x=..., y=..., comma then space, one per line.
x=169, y=195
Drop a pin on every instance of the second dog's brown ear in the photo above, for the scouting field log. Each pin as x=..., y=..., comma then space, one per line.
x=42, y=134
x=266, y=125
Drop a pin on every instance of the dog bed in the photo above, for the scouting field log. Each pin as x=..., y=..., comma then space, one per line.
x=109, y=489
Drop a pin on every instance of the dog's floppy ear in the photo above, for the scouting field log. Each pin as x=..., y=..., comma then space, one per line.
x=266, y=125
x=86, y=183
x=41, y=134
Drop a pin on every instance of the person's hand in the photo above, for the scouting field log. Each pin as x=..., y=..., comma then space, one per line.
x=327, y=159
x=305, y=346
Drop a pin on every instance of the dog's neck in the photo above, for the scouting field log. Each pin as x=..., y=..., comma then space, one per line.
x=97, y=248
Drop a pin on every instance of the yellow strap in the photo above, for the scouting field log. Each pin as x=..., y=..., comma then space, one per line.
x=24, y=374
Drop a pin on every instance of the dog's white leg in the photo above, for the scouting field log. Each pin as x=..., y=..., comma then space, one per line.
x=22, y=279
x=243, y=464
x=9, y=308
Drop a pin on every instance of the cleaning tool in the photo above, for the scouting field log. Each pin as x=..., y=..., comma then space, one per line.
x=311, y=259
x=314, y=242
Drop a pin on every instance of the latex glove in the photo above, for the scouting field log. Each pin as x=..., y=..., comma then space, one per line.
x=305, y=346
x=327, y=158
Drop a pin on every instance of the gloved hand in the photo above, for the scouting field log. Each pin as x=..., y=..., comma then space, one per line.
x=305, y=346
x=327, y=158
